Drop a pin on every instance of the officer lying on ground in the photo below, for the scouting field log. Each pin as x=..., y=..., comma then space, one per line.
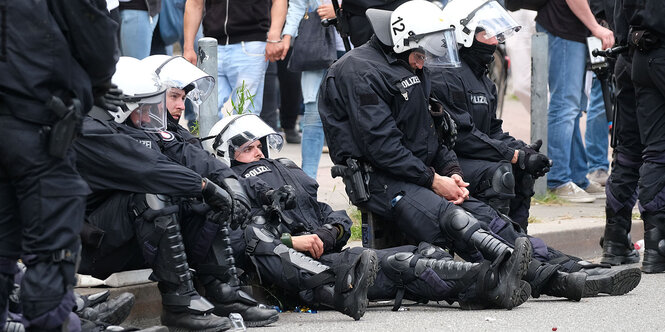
x=412, y=178
x=298, y=249
x=129, y=227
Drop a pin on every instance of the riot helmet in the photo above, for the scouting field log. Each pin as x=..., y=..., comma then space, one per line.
x=177, y=72
x=471, y=16
x=238, y=131
x=417, y=25
x=142, y=94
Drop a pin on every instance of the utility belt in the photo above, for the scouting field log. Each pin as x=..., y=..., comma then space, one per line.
x=356, y=179
x=644, y=40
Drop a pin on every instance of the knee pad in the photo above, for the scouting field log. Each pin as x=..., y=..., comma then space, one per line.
x=398, y=267
x=499, y=188
x=458, y=224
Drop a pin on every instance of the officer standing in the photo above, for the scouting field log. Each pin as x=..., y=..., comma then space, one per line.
x=500, y=168
x=56, y=58
x=313, y=235
x=647, y=36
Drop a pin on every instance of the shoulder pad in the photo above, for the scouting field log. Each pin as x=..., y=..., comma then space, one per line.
x=287, y=162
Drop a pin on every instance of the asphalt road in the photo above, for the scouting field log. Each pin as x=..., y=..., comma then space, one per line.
x=639, y=310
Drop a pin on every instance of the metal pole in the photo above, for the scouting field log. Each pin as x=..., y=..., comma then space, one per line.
x=207, y=61
x=539, y=100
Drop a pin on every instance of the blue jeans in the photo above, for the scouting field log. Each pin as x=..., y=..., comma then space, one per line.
x=238, y=63
x=312, y=129
x=564, y=140
x=136, y=32
x=596, y=129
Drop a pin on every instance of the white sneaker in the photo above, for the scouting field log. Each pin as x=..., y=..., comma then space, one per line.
x=599, y=175
x=594, y=188
x=572, y=193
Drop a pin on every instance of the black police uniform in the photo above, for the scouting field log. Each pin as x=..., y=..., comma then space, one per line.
x=172, y=167
x=648, y=74
x=483, y=149
x=49, y=51
x=375, y=109
x=622, y=183
x=172, y=125
x=127, y=226
x=418, y=273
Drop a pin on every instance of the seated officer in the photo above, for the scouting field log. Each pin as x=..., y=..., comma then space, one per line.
x=412, y=178
x=129, y=227
x=298, y=249
x=501, y=169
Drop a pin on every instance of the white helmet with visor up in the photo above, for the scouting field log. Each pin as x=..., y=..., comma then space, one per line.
x=142, y=93
x=177, y=72
x=468, y=15
x=236, y=132
x=417, y=24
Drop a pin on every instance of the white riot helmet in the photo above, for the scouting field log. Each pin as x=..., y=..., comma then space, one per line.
x=142, y=93
x=238, y=131
x=177, y=72
x=468, y=15
x=417, y=24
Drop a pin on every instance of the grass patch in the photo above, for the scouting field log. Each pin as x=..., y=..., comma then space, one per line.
x=533, y=220
x=547, y=199
x=356, y=229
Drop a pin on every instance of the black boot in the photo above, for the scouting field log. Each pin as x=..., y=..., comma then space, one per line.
x=183, y=308
x=348, y=294
x=546, y=279
x=222, y=285
x=612, y=281
x=228, y=299
x=501, y=286
x=617, y=246
x=654, y=242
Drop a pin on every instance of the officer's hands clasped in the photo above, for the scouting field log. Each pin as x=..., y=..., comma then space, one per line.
x=532, y=161
x=452, y=188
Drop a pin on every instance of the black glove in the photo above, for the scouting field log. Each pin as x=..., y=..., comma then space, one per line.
x=284, y=196
x=110, y=100
x=241, y=203
x=536, y=164
x=533, y=147
x=328, y=235
x=218, y=198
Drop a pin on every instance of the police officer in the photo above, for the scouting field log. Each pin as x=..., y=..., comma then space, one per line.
x=622, y=183
x=56, y=57
x=312, y=228
x=500, y=168
x=184, y=81
x=647, y=36
x=140, y=167
x=375, y=109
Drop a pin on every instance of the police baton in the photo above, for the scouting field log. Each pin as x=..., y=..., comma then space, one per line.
x=340, y=24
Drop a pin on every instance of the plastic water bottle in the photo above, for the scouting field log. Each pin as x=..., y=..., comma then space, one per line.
x=639, y=246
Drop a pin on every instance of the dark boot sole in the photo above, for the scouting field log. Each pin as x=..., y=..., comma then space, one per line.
x=618, y=284
x=371, y=263
x=121, y=313
x=648, y=267
x=520, y=258
x=262, y=322
x=615, y=260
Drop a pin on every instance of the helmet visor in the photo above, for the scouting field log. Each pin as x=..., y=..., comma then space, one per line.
x=244, y=130
x=440, y=49
x=150, y=113
x=179, y=73
x=495, y=21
